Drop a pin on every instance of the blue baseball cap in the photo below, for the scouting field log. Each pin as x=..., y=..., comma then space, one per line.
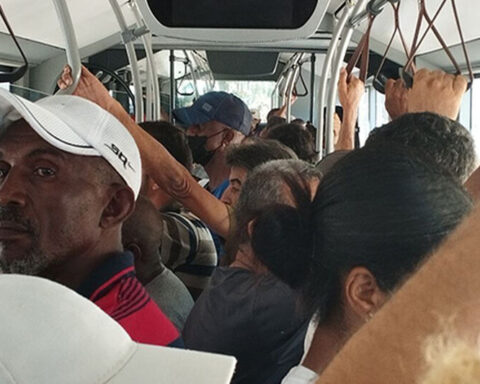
x=219, y=106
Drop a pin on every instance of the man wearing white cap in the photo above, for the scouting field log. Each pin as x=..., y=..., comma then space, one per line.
x=69, y=176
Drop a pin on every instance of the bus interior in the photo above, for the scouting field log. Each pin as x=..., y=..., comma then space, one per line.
x=155, y=55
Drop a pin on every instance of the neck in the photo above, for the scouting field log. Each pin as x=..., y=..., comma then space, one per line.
x=327, y=341
x=79, y=266
x=217, y=170
x=150, y=271
x=244, y=258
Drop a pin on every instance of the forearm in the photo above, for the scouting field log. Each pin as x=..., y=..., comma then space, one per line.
x=173, y=177
x=346, y=136
x=393, y=340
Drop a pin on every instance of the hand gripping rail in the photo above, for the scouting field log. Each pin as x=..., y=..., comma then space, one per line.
x=71, y=46
x=352, y=6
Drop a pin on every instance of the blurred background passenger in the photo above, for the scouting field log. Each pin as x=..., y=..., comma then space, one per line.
x=187, y=245
x=295, y=137
x=142, y=235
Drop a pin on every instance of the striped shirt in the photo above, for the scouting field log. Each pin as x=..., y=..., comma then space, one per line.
x=187, y=248
x=114, y=287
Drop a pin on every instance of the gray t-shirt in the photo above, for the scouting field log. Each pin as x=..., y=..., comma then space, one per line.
x=252, y=317
x=171, y=295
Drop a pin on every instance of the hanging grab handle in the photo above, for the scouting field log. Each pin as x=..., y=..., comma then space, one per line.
x=17, y=73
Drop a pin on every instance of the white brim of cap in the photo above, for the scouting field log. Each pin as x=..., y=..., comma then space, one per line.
x=59, y=134
x=163, y=365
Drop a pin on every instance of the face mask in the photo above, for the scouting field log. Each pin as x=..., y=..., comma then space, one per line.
x=197, y=145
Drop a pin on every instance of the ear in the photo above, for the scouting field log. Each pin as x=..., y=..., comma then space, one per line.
x=135, y=249
x=250, y=226
x=120, y=205
x=229, y=135
x=363, y=295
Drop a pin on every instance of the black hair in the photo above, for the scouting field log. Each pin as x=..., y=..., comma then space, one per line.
x=254, y=152
x=172, y=138
x=297, y=138
x=443, y=140
x=380, y=207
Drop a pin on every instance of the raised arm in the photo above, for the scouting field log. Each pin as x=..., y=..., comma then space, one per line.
x=389, y=348
x=350, y=92
x=156, y=161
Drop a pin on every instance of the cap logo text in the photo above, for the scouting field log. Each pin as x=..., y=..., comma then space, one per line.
x=121, y=156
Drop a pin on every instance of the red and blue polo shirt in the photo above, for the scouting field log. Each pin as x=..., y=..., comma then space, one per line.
x=114, y=287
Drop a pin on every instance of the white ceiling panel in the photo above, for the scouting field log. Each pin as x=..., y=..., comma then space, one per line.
x=37, y=20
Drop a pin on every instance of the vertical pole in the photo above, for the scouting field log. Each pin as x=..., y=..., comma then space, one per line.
x=312, y=86
x=172, y=85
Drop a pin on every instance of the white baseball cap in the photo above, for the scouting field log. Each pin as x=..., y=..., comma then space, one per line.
x=76, y=125
x=51, y=335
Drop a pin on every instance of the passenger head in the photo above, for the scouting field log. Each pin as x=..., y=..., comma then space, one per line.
x=172, y=138
x=443, y=140
x=243, y=158
x=142, y=234
x=289, y=182
x=69, y=176
x=175, y=142
x=214, y=121
x=376, y=215
x=295, y=137
x=272, y=122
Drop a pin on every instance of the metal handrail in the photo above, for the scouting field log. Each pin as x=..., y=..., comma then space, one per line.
x=71, y=46
x=128, y=36
x=153, y=88
x=337, y=64
x=350, y=5
x=293, y=82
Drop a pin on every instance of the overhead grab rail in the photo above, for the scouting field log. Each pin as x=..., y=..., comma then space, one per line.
x=17, y=73
x=407, y=75
x=71, y=46
x=128, y=36
x=193, y=73
x=185, y=62
x=202, y=64
x=153, y=88
x=291, y=89
x=279, y=85
x=379, y=79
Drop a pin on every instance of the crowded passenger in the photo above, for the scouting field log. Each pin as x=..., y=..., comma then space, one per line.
x=244, y=158
x=142, y=235
x=215, y=121
x=187, y=245
x=444, y=141
x=296, y=138
x=375, y=216
x=247, y=312
x=70, y=175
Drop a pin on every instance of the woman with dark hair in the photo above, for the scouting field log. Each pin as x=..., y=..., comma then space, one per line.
x=376, y=215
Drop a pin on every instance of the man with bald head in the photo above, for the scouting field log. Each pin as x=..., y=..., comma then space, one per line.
x=69, y=176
